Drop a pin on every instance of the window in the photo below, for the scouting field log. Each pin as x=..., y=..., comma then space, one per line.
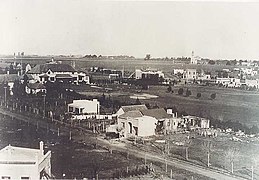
x=70, y=109
x=51, y=78
x=25, y=177
x=6, y=177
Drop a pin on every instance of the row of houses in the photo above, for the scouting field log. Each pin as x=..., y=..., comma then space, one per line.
x=137, y=120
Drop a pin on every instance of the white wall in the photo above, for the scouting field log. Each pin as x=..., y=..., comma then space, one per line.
x=146, y=126
x=16, y=171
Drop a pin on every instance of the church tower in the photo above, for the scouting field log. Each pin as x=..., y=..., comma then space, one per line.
x=193, y=59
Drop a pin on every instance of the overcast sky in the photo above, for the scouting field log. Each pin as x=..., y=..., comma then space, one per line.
x=214, y=30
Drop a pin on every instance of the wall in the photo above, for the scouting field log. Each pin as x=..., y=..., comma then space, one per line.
x=146, y=126
x=16, y=171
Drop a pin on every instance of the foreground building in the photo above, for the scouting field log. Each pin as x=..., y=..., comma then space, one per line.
x=25, y=163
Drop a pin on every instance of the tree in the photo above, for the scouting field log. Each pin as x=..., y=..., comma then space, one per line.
x=207, y=145
x=211, y=62
x=231, y=154
x=148, y=56
x=198, y=95
x=180, y=91
x=213, y=96
x=169, y=89
x=188, y=93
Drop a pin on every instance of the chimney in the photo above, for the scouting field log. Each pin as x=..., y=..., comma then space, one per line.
x=176, y=115
x=41, y=147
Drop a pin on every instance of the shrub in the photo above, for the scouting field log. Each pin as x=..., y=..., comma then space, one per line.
x=213, y=96
x=188, y=93
x=169, y=89
x=180, y=91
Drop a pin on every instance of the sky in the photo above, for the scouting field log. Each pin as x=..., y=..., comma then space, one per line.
x=216, y=30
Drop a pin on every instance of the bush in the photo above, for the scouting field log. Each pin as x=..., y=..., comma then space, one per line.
x=188, y=93
x=213, y=96
x=198, y=95
x=180, y=91
x=169, y=89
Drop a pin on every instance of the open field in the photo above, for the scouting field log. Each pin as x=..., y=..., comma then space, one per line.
x=229, y=105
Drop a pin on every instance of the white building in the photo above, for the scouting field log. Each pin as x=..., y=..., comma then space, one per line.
x=190, y=74
x=148, y=73
x=58, y=72
x=84, y=107
x=178, y=71
x=134, y=123
x=195, y=122
x=252, y=83
x=25, y=163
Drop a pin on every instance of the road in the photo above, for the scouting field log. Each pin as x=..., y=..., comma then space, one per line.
x=207, y=172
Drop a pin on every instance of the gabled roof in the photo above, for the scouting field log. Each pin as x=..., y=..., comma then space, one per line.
x=65, y=76
x=43, y=68
x=132, y=114
x=156, y=113
x=134, y=107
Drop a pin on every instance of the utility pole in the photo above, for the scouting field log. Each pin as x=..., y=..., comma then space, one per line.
x=44, y=105
x=5, y=95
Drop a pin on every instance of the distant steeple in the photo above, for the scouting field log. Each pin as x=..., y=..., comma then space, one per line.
x=193, y=59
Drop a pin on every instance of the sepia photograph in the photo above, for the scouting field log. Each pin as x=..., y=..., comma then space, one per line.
x=127, y=89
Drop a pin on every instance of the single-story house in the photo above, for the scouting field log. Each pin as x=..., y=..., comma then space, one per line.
x=84, y=107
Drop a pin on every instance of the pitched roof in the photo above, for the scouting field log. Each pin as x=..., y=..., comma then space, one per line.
x=132, y=114
x=18, y=154
x=43, y=68
x=156, y=113
x=134, y=107
x=63, y=76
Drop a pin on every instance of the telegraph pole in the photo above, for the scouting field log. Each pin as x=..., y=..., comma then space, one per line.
x=5, y=95
x=44, y=105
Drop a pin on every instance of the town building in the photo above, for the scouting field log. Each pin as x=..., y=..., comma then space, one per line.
x=25, y=163
x=193, y=122
x=148, y=74
x=178, y=71
x=134, y=123
x=190, y=74
x=84, y=107
x=59, y=72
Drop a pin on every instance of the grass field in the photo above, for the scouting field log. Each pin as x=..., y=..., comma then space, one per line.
x=229, y=105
